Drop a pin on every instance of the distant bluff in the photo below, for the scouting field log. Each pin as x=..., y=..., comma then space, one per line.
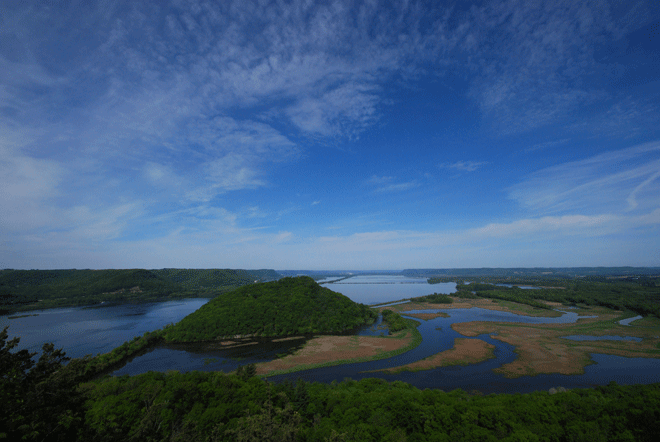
x=288, y=307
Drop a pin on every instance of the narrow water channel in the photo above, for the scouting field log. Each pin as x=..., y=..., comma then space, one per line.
x=91, y=331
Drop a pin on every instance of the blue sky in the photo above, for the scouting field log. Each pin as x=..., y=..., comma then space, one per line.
x=329, y=135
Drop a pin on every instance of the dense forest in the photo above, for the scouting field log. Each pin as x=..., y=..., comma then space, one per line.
x=22, y=290
x=47, y=401
x=289, y=306
x=535, y=272
x=639, y=294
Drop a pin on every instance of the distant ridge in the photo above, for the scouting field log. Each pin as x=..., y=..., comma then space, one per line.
x=39, y=289
x=546, y=272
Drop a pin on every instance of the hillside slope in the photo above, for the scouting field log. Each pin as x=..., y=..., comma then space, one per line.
x=290, y=306
x=41, y=289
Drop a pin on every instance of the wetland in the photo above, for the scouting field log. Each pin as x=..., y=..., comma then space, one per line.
x=491, y=345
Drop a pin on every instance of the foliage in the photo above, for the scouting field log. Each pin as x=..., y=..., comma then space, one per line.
x=435, y=298
x=394, y=321
x=533, y=272
x=215, y=406
x=213, y=279
x=90, y=367
x=290, y=306
x=38, y=400
x=22, y=290
x=615, y=294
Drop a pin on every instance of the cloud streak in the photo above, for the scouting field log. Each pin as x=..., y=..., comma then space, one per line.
x=620, y=180
x=194, y=127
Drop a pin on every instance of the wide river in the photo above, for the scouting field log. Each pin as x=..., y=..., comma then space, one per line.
x=82, y=331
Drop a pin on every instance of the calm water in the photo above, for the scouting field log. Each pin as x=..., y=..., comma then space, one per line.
x=92, y=331
x=82, y=331
x=439, y=336
x=602, y=338
x=629, y=320
x=375, y=289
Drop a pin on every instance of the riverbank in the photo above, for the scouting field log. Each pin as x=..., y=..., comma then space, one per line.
x=543, y=348
x=465, y=351
x=489, y=304
x=325, y=351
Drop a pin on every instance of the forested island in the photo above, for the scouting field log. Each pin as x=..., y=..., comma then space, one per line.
x=50, y=399
x=47, y=401
x=287, y=307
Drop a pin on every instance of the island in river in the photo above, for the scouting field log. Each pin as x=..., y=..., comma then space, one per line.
x=287, y=307
x=197, y=406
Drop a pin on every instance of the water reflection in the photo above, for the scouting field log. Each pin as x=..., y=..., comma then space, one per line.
x=629, y=320
x=602, y=338
x=82, y=331
x=438, y=336
x=376, y=289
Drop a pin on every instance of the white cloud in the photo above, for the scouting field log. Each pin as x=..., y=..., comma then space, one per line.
x=615, y=181
x=28, y=185
x=398, y=187
x=385, y=184
x=528, y=57
x=466, y=166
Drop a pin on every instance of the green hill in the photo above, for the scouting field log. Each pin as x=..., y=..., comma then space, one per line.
x=290, y=306
x=39, y=289
x=22, y=290
x=210, y=279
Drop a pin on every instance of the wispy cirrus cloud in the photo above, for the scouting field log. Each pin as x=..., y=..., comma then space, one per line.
x=529, y=58
x=463, y=166
x=139, y=120
x=611, y=182
x=385, y=184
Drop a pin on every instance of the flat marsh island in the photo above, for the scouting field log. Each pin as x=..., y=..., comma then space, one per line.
x=335, y=350
x=543, y=348
x=489, y=304
x=465, y=351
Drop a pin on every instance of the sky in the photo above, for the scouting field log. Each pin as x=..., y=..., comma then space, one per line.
x=329, y=135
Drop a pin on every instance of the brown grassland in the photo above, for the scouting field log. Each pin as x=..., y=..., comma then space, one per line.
x=465, y=351
x=541, y=348
x=334, y=350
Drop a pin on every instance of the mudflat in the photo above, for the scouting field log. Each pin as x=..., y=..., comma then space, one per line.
x=542, y=348
x=335, y=350
x=428, y=316
x=465, y=351
x=489, y=304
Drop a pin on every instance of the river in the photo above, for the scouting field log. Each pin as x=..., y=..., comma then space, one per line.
x=82, y=331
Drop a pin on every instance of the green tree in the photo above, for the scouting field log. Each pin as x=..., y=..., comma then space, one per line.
x=38, y=401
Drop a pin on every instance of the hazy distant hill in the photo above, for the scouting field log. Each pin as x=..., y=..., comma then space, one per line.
x=199, y=279
x=545, y=272
x=290, y=306
x=38, y=289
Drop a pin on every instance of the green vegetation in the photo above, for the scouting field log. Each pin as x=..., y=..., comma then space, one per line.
x=410, y=328
x=637, y=294
x=534, y=272
x=394, y=321
x=45, y=402
x=290, y=306
x=435, y=298
x=213, y=279
x=22, y=290
x=38, y=401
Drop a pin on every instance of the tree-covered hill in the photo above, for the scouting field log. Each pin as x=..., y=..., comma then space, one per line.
x=39, y=289
x=204, y=279
x=30, y=289
x=290, y=306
